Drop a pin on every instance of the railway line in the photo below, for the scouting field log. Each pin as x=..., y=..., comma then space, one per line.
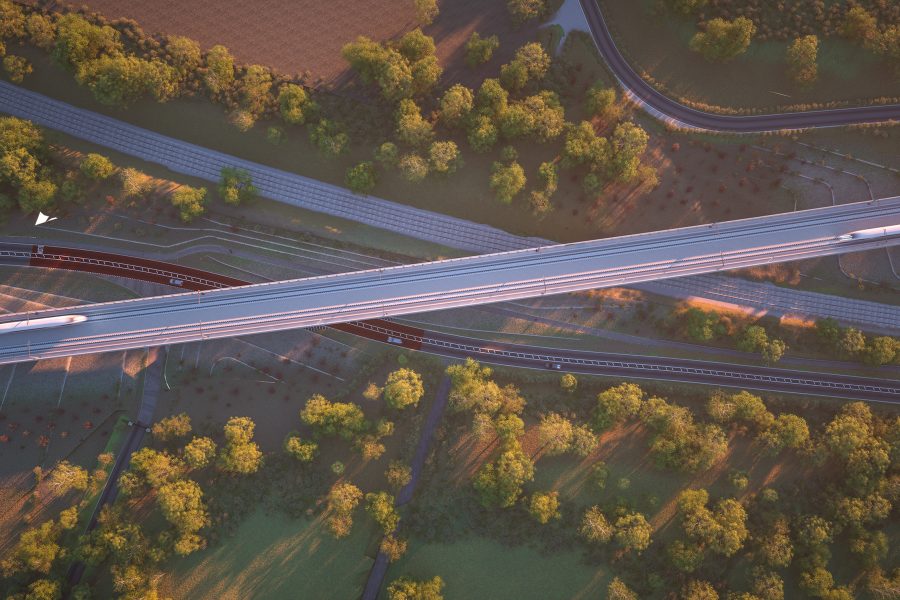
x=499, y=353
x=469, y=281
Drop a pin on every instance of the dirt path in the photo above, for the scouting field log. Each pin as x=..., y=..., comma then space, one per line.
x=380, y=567
x=153, y=374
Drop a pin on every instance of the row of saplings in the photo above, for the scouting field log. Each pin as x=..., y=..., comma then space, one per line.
x=35, y=177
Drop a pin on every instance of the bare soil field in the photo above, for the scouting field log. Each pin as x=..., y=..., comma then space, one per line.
x=307, y=35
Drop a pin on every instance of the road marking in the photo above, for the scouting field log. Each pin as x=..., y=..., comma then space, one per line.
x=65, y=378
x=8, y=383
x=121, y=375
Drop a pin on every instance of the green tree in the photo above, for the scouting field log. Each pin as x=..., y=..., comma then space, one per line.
x=398, y=474
x=66, y=476
x=37, y=196
x=156, y=468
x=380, y=507
x=828, y=333
x=362, y=177
x=801, y=57
x=881, y=350
x=787, y=431
x=199, y=452
x=35, y=551
x=413, y=167
x=568, y=382
x=181, y=504
x=184, y=55
x=888, y=45
x=595, y=527
x=723, y=530
x=219, y=75
x=135, y=184
x=530, y=63
x=601, y=100
x=555, y=433
x=236, y=186
x=583, y=147
x=507, y=181
x=328, y=137
x=525, y=10
x=699, y=590
x=491, y=99
x=627, y=145
x=387, y=154
x=678, y=442
x=97, y=167
x=456, y=106
x=240, y=454
x=742, y=407
x=773, y=351
x=403, y=388
x=119, y=80
x=342, y=419
x=426, y=11
x=544, y=506
x=444, y=157
x=189, y=201
x=295, y=104
x=482, y=134
x=17, y=67
x=540, y=116
x=617, y=404
x=584, y=442
x=753, y=339
x=632, y=532
x=723, y=40
x=412, y=129
x=78, y=41
x=254, y=89
x=852, y=342
x=479, y=50
x=500, y=483
x=342, y=500
x=392, y=547
x=43, y=589
x=617, y=590
x=12, y=20
x=176, y=426
x=860, y=26
x=406, y=588
x=303, y=450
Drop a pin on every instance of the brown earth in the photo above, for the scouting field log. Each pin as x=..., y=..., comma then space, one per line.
x=307, y=35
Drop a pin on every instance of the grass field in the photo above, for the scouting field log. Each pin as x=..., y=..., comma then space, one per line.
x=657, y=44
x=502, y=554
x=482, y=568
x=271, y=556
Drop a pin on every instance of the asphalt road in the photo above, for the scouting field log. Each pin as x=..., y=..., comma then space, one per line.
x=517, y=355
x=686, y=116
x=470, y=281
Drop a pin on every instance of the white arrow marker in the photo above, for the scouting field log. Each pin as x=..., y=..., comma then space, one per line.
x=42, y=218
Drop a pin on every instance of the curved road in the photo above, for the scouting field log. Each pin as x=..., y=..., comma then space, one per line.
x=679, y=114
x=501, y=353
